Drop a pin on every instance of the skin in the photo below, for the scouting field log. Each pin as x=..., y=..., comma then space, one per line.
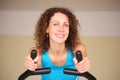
x=58, y=31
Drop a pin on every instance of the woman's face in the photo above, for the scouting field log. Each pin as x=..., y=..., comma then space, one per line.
x=58, y=28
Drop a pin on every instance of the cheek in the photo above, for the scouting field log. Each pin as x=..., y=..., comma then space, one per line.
x=67, y=30
x=52, y=31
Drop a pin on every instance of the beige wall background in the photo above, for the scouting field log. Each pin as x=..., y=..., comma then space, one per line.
x=100, y=32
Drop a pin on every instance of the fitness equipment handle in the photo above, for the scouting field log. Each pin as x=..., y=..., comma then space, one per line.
x=75, y=72
x=36, y=72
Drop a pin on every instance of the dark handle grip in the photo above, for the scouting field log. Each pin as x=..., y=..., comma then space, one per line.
x=79, y=56
x=75, y=72
x=33, y=54
x=38, y=71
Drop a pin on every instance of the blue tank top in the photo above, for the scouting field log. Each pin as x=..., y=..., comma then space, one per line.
x=57, y=71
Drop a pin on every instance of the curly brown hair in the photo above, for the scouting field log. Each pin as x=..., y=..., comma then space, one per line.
x=40, y=35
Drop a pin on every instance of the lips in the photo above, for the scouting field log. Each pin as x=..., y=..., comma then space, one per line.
x=60, y=35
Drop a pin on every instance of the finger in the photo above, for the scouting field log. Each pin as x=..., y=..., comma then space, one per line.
x=84, y=66
x=75, y=61
x=29, y=59
x=83, y=62
x=31, y=68
x=30, y=65
x=37, y=59
x=82, y=70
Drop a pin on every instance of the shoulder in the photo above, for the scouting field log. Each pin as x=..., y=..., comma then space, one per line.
x=82, y=48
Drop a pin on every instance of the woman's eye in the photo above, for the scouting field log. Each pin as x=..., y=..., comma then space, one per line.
x=66, y=25
x=55, y=24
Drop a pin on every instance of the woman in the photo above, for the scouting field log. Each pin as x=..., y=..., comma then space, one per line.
x=57, y=41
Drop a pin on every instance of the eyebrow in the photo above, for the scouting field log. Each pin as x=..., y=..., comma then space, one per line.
x=58, y=21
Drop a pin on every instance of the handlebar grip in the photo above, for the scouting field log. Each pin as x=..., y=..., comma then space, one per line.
x=41, y=71
x=79, y=56
x=33, y=54
x=75, y=72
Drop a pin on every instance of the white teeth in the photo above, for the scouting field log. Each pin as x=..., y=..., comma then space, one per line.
x=59, y=35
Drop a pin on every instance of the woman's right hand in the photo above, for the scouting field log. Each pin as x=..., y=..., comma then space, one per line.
x=33, y=64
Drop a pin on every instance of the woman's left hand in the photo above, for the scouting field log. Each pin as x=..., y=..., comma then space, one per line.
x=82, y=66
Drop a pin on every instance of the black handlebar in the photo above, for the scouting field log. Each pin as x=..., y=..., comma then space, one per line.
x=75, y=72
x=36, y=72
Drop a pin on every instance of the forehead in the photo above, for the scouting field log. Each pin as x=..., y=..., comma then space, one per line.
x=59, y=16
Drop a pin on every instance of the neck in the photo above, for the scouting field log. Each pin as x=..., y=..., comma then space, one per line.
x=57, y=49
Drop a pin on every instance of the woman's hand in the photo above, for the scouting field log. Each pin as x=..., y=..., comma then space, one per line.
x=33, y=64
x=82, y=66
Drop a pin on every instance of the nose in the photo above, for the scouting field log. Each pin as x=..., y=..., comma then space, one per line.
x=61, y=28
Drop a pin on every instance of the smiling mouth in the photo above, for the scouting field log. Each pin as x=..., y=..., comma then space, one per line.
x=60, y=35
